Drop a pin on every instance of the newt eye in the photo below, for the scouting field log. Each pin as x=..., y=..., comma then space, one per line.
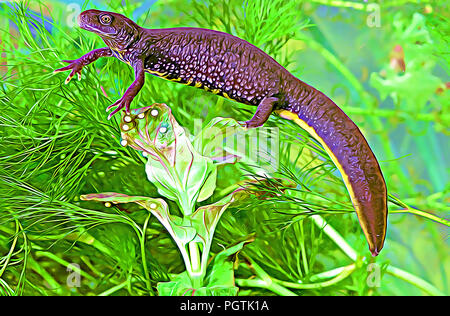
x=105, y=19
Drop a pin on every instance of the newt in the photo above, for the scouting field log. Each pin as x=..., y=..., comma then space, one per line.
x=233, y=68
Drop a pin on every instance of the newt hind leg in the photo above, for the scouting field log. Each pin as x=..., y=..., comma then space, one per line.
x=262, y=113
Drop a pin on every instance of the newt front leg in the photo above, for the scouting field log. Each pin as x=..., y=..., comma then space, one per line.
x=132, y=91
x=77, y=65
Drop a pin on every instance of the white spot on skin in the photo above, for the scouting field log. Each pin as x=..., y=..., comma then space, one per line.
x=163, y=130
x=141, y=115
x=123, y=142
x=125, y=127
x=127, y=118
x=154, y=112
x=153, y=206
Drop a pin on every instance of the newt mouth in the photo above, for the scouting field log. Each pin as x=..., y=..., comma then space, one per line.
x=83, y=22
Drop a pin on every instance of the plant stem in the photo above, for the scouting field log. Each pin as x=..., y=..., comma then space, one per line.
x=11, y=249
x=414, y=280
x=351, y=253
x=343, y=4
x=195, y=276
x=114, y=289
x=411, y=210
x=144, y=260
x=427, y=117
x=195, y=256
x=346, y=271
x=335, y=236
x=326, y=274
x=196, y=272
x=271, y=286
x=408, y=209
x=52, y=283
x=264, y=281
x=364, y=6
x=303, y=250
x=279, y=286
x=66, y=264
x=429, y=216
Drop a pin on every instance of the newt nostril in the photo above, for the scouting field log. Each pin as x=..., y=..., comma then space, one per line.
x=83, y=18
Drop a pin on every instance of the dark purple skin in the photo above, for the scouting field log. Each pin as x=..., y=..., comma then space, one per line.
x=231, y=67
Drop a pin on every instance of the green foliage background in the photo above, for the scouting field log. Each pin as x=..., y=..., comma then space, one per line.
x=57, y=144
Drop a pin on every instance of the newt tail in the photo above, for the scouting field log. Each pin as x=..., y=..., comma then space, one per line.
x=350, y=152
x=235, y=69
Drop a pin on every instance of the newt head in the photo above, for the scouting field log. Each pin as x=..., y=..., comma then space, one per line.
x=115, y=29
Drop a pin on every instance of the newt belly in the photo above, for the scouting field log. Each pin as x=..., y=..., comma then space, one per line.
x=233, y=68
